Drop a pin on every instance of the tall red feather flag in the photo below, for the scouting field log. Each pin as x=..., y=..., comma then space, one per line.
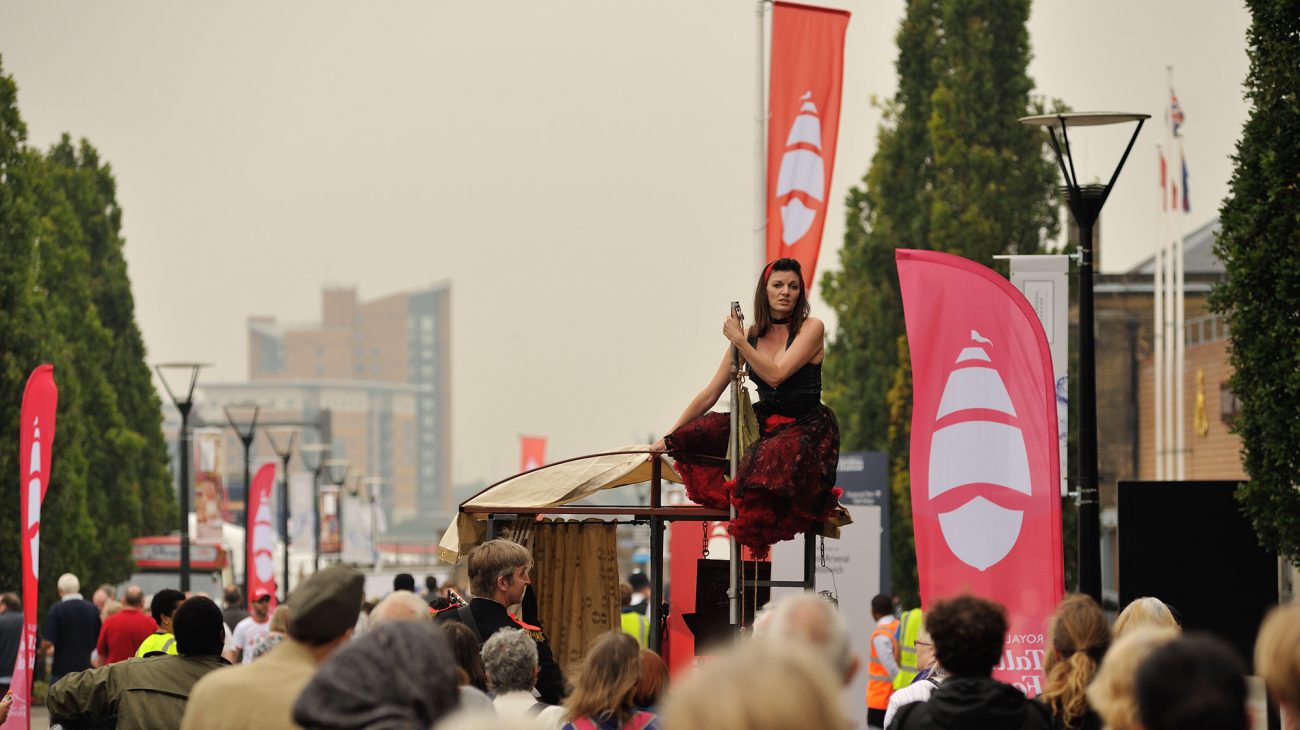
x=985, y=460
x=804, y=103
x=35, y=452
x=260, y=536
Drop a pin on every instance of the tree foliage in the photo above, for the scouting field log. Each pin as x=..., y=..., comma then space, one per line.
x=65, y=299
x=1259, y=245
x=953, y=171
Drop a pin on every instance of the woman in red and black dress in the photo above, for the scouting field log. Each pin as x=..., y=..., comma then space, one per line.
x=788, y=475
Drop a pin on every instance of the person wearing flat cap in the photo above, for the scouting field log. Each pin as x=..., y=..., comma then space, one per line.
x=323, y=611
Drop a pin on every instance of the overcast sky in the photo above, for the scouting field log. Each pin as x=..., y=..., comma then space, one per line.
x=582, y=172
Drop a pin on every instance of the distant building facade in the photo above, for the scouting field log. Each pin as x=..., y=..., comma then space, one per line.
x=374, y=379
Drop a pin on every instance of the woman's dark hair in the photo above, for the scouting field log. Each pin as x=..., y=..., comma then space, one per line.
x=464, y=645
x=763, y=310
x=968, y=633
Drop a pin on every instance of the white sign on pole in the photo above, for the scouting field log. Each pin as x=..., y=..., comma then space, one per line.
x=1045, y=282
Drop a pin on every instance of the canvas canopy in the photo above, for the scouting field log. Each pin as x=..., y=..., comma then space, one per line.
x=551, y=486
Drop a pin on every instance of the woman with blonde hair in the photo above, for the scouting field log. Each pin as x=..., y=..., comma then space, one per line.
x=760, y=685
x=1277, y=660
x=1078, y=639
x=1111, y=693
x=604, y=692
x=1145, y=611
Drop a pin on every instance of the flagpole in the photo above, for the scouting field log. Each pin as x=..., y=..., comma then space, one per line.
x=1158, y=314
x=760, y=139
x=1180, y=338
x=1180, y=335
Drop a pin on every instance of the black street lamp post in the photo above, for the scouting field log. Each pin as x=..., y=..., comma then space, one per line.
x=1085, y=203
x=190, y=371
x=282, y=444
x=313, y=457
x=337, y=473
x=243, y=419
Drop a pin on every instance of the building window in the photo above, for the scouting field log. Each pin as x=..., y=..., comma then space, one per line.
x=1229, y=405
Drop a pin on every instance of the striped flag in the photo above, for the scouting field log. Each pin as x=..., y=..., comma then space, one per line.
x=1176, y=116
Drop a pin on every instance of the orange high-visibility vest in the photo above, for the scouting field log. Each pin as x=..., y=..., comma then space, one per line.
x=879, y=685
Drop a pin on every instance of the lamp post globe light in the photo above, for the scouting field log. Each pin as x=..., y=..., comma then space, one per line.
x=313, y=457
x=187, y=373
x=1085, y=203
x=336, y=470
x=243, y=419
x=282, y=440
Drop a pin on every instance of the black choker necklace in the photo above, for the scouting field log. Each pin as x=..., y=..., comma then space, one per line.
x=774, y=320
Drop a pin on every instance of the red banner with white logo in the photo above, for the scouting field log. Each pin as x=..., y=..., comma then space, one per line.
x=532, y=452
x=985, y=473
x=260, y=534
x=803, y=120
x=35, y=449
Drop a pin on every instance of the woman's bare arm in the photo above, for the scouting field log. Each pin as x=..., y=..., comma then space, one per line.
x=703, y=400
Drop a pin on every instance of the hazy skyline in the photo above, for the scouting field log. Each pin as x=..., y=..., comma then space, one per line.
x=581, y=172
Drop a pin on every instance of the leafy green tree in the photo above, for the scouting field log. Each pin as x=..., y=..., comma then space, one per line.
x=1259, y=245
x=65, y=299
x=19, y=325
x=954, y=172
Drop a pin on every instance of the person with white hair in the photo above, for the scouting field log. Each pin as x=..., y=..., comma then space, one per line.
x=510, y=660
x=814, y=622
x=399, y=606
x=71, y=629
x=920, y=689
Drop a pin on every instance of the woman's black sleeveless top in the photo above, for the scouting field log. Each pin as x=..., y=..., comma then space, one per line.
x=799, y=394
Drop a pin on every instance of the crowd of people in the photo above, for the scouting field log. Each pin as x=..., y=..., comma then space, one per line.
x=413, y=661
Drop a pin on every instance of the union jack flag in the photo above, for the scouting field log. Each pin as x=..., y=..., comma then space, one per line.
x=1176, y=117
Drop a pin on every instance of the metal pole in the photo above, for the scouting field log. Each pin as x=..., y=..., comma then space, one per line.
x=760, y=139
x=733, y=576
x=1089, y=501
x=248, y=517
x=315, y=510
x=656, y=612
x=284, y=522
x=185, y=489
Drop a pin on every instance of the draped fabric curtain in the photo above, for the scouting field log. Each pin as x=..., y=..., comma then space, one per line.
x=575, y=577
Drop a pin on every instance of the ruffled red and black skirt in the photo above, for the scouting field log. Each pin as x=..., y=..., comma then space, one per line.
x=787, y=477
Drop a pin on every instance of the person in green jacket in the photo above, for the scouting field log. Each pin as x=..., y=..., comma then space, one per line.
x=163, y=607
x=148, y=693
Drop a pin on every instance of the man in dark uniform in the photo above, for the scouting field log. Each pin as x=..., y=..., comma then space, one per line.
x=498, y=575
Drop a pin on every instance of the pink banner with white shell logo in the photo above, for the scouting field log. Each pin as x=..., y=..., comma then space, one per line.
x=261, y=536
x=35, y=452
x=984, y=458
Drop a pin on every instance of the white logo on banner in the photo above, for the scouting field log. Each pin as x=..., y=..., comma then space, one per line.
x=263, y=539
x=802, y=170
x=980, y=533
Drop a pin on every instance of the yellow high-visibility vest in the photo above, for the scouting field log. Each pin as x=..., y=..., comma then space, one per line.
x=909, y=627
x=160, y=642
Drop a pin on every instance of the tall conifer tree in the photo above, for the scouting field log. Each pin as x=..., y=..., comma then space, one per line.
x=954, y=172
x=1259, y=245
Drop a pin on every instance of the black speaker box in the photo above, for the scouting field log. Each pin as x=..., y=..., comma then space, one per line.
x=1188, y=544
